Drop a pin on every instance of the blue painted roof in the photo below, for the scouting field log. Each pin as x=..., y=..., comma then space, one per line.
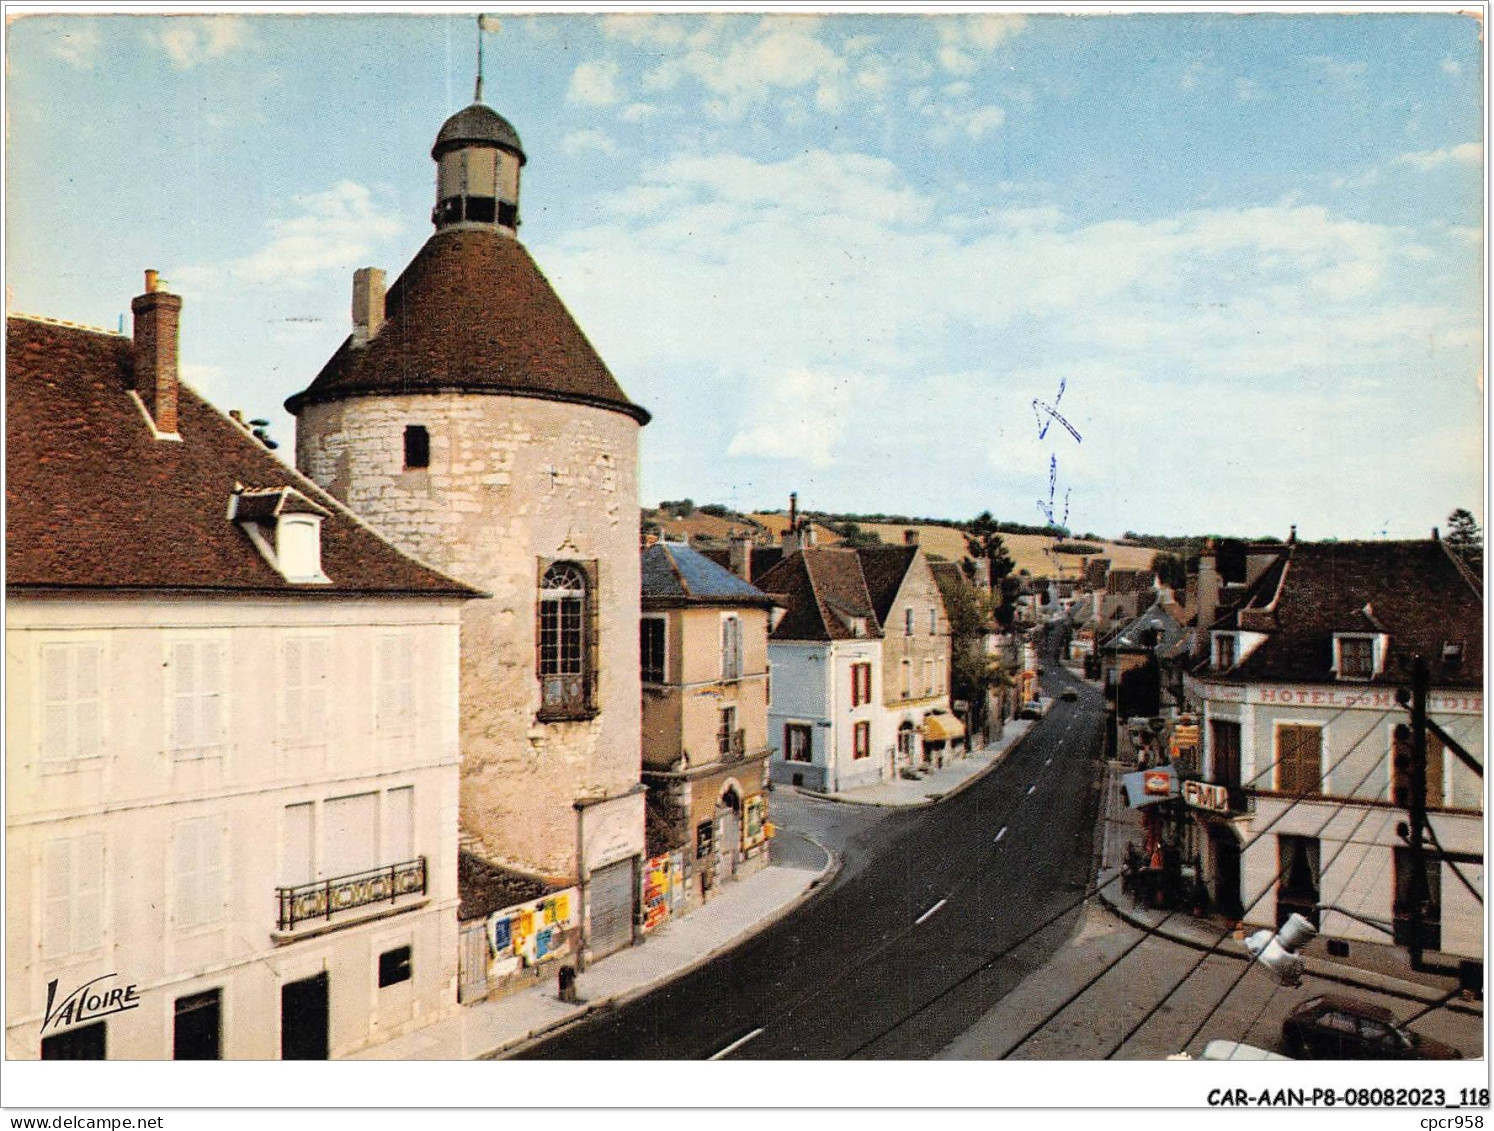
x=673, y=572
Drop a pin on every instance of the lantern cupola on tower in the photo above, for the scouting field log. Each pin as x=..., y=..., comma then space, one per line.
x=478, y=157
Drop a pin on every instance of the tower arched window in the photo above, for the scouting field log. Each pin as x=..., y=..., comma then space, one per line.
x=566, y=641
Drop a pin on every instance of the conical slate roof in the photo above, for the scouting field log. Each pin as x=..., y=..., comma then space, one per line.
x=472, y=313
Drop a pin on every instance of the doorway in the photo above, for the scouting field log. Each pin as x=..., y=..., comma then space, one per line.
x=1226, y=852
x=303, y=1019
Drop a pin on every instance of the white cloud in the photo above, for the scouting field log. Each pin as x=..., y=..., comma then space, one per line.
x=637, y=111
x=595, y=84
x=1451, y=66
x=963, y=39
x=801, y=415
x=808, y=305
x=77, y=44
x=588, y=141
x=190, y=41
x=1469, y=153
x=332, y=233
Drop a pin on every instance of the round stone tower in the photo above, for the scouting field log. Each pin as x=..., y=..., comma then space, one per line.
x=468, y=419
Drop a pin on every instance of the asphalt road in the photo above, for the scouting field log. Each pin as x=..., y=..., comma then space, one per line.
x=890, y=961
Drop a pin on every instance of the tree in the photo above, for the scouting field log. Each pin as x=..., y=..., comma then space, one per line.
x=983, y=541
x=1465, y=538
x=851, y=535
x=1171, y=570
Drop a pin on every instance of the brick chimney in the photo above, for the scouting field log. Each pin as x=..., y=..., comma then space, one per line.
x=740, y=551
x=368, y=303
x=157, y=319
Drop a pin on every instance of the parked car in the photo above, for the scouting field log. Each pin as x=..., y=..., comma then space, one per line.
x=1234, y=1050
x=1069, y=696
x=1032, y=709
x=1340, y=1028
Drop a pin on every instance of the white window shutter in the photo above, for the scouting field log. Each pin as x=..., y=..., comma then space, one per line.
x=210, y=695
x=57, y=870
x=294, y=725
x=184, y=690
x=315, y=693
x=299, y=856
x=56, y=743
x=88, y=892
x=86, y=703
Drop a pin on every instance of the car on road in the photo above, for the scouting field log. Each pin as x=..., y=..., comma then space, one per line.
x=1329, y=1027
x=1069, y=696
x=1032, y=709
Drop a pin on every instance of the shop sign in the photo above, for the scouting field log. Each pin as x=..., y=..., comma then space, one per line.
x=1203, y=795
x=1156, y=783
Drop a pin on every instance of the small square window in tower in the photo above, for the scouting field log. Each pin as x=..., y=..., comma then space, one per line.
x=417, y=447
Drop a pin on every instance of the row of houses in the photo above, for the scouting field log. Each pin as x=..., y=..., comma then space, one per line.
x=1278, y=673
x=300, y=760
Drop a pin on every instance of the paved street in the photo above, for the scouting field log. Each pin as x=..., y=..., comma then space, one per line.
x=889, y=961
x=1097, y=1020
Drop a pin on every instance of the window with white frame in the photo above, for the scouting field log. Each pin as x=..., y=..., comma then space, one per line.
x=908, y=621
x=394, y=709
x=399, y=824
x=731, y=647
x=1224, y=651
x=933, y=622
x=197, y=872
x=928, y=675
x=298, y=845
x=198, y=699
x=305, y=661
x=907, y=673
x=350, y=835
x=651, y=649
x=70, y=702
x=72, y=895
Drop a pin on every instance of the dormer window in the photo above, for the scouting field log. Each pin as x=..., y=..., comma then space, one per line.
x=285, y=527
x=1224, y=650
x=1355, y=657
x=298, y=547
x=1452, y=655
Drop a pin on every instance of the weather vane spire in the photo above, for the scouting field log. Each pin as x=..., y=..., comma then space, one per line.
x=485, y=24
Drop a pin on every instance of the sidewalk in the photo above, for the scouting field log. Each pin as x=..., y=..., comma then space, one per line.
x=492, y=1028
x=935, y=785
x=1384, y=969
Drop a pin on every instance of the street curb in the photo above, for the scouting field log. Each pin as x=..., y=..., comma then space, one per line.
x=816, y=886
x=1316, y=967
x=952, y=792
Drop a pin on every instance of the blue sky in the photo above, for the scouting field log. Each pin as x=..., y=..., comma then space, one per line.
x=841, y=255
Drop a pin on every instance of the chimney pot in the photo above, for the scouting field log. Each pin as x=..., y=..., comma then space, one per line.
x=369, y=291
x=740, y=555
x=157, y=322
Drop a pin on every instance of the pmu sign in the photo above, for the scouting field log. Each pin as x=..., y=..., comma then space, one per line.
x=1203, y=795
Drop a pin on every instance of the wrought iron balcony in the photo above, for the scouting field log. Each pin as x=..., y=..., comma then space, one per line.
x=566, y=697
x=731, y=744
x=326, y=899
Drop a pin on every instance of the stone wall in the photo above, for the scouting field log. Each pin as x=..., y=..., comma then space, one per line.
x=512, y=482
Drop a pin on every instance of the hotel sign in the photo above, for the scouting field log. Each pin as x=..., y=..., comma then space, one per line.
x=1333, y=697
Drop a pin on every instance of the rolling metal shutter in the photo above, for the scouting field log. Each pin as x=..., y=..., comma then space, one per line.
x=611, y=898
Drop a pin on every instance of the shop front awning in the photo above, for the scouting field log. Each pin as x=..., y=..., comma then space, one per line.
x=1147, y=787
x=942, y=728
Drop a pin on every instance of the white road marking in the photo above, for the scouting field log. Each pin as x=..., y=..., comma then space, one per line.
x=1031, y=790
x=735, y=1045
x=929, y=912
x=1049, y=762
x=999, y=835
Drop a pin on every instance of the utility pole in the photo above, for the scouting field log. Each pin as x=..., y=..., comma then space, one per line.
x=1416, y=809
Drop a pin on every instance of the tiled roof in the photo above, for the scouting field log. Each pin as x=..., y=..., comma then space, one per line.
x=1132, y=636
x=764, y=558
x=94, y=501
x=1412, y=591
x=815, y=585
x=674, y=574
x=485, y=887
x=472, y=313
x=884, y=568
